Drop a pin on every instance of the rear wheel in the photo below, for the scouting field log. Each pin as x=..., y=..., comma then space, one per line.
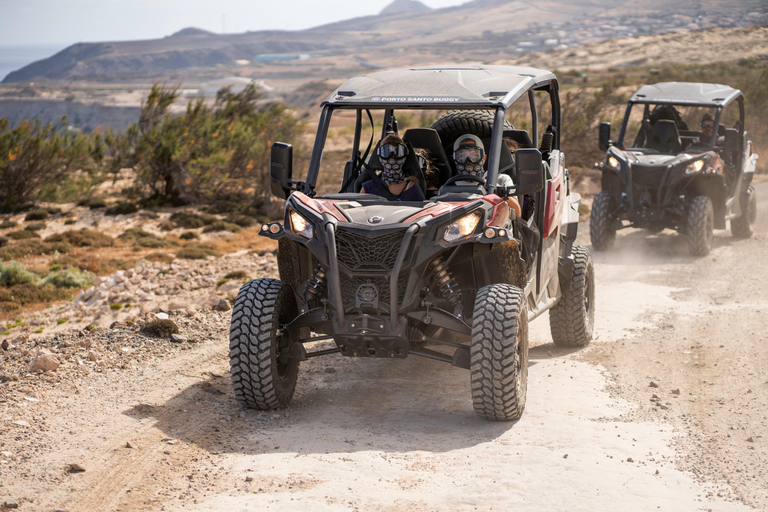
x=700, y=226
x=572, y=319
x=499, y=352
x=259, y=378
x=602, y=224
x=743, y=226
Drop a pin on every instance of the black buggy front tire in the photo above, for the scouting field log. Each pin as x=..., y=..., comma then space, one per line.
x=572, y=319
x=259, y=379
x=700, y=226
x=499, y=352
x=743, y=227
x=602, y=224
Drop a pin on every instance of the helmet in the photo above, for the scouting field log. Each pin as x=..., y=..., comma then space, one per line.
x=468, y=149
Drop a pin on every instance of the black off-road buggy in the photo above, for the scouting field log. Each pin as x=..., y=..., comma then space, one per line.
x=674, y=174
x=454, y=278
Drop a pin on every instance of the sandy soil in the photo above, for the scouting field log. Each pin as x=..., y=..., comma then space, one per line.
x=155, y=426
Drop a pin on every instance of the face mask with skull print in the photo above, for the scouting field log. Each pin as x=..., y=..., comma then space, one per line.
x=393, y=170
x=471, y=169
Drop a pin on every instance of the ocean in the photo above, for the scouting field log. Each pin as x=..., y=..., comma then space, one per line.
x=16, y=57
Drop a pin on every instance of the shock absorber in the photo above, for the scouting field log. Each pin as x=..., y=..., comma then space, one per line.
x=447, y=285
x=316, y=285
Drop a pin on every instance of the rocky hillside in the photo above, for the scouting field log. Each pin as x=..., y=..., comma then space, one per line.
x=477, y=30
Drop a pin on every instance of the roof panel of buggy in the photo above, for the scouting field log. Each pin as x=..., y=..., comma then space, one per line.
x=686, y=93
x=439, y=87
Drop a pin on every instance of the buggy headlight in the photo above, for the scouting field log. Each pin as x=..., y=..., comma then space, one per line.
x=300, y=225
x=463, y=227
x=694, y=167
x=613, y=162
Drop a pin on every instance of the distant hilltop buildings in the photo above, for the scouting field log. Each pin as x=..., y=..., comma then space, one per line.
x=273, y=57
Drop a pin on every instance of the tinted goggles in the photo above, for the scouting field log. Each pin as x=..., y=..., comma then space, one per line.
x=707, y=124
x=472, y=154
x=393, y=150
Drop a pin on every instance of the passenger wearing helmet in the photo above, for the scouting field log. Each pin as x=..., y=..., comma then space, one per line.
x=393, y=183
x=469, y=156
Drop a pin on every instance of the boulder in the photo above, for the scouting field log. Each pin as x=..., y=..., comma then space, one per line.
x=45, y=361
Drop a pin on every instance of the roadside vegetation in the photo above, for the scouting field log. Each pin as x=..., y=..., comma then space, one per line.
x=208, y=167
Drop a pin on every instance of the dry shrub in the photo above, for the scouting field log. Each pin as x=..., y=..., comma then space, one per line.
x=22, y=235
x=95, y=264
x=35, y=226
x=40, y=214
x=221, y=225
x=33, y=247
x=160, y=328
x=159, y=256
x=83, y=238
x=196, y=252
x=14, y=297
x=145, y=239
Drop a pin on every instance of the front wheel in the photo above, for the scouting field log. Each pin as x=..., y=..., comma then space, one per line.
x=602, y=224
x=259, y=377
x=743, y=226
x=499, y=352
x=572, y=319
x=700, y=226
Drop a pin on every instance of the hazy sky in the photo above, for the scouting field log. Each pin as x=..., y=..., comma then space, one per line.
x=62, y=22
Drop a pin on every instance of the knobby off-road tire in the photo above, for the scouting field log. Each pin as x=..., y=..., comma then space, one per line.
x=700, y=226
x=572, y=319
x=743, y=226
x=602, y=225
x=261, y=381
x=454, y=123
x=499, y=352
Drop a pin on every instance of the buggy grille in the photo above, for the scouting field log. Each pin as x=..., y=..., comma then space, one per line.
x=362, y=254
x=349, y=288
x=647, y=177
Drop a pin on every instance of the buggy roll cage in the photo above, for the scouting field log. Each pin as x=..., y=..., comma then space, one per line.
x=527, y=81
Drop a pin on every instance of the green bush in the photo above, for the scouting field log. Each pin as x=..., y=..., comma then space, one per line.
x=7, y=223
x=69, y=278
x=69, y=222
x=3, y=240
x=83, y=238
x=244, y=221
x=115, y=306
x=14, y=273
x=236, y=274
x=22, y=235
x=121, y=208
x=40, y=214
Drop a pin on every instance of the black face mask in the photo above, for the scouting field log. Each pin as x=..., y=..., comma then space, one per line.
x=393, y=170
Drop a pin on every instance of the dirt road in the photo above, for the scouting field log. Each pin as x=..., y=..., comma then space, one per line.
x=156, y=426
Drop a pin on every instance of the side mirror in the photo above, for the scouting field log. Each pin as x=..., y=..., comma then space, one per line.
x=529, y=173
x=731, y=140
x=604, y=136
x=281, y=169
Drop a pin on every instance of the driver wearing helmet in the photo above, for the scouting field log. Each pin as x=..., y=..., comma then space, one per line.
x=469, y=156
x=392, y=153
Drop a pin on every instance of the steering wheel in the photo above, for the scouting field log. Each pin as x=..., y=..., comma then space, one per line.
x=461, y=177
x=464, y=177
